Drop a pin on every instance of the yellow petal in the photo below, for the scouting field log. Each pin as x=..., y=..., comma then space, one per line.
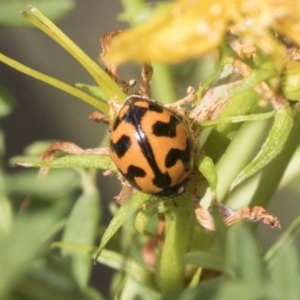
x=180, y=31
x=189, y=28
x=288, y=21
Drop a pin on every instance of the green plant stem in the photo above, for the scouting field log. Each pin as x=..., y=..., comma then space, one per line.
x=109, y=87
x=54, y=82
x=179, y=221
x=163, y=83
x=6, y=211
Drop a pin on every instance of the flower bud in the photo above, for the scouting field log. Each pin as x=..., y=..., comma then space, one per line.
x=291, y=81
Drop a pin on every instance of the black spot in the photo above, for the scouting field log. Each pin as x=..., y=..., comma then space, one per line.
x=121, y=146
x=177, y=154
x=166, y=129
x=116, y=123
x=132, y=172
x=134, y=115
x=174, y=190
x=162, y=180
x=155, y=107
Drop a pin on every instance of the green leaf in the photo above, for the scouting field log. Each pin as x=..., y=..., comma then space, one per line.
x=94, y=161
x=286, y=238
x=282, y=126
x=243, y=274
x=243, y=258
x=6, y=215
x=57, y=183
x=54, y=9
x=93, y=90
x=51, y=279
x=5, y=101
x=122, y=214
x=80, y=230
x=236, y=289
x=239, y=152
x=284, y=274
x=118, y=262
x=243, y=100
x=207, y=290
x=209, y=260
x=207, y=168
x=239, y=119
x=137, y=275
x=109, y=87
x=22, y=244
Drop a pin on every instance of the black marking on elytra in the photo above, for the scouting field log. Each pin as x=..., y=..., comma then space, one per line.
x=162, y=180
x=134, y=171
x=134, y=116
x=135, y=113
x=174, y=190
x=160, y=128
x=176, y=154
x=116, y=123
x=121, y=146
x=155, y=107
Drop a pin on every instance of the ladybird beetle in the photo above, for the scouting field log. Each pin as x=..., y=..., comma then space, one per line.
x=151, y=146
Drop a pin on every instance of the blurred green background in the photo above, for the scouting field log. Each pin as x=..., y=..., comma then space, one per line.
x=44, y=113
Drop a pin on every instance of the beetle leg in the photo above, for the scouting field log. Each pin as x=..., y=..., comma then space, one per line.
x=124, y=194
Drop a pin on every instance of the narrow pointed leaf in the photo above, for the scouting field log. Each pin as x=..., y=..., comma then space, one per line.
x=52, y=8
x=125, y=211
x=282, y=125
x=21, y=246
x=95, y=161
x=81, y=228
x=205, y=259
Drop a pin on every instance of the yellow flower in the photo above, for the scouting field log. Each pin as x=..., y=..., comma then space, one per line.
x=188, y=28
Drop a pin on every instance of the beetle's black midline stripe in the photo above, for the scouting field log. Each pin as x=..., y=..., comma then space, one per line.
x=136, y=115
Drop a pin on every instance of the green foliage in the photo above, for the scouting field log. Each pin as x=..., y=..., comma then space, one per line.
x=49, y=226
x=246, y=273
x=54, y=9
